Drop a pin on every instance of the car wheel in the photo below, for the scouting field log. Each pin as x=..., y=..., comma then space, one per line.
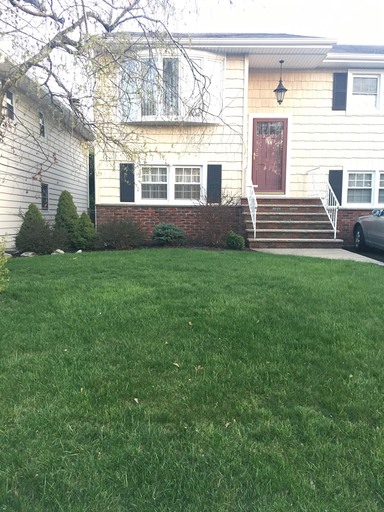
x=359, y=239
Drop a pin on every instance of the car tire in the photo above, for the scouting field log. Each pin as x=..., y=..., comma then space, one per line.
x=359, y=239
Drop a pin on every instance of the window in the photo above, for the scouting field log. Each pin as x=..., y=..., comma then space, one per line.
x=359, y=187
x=154, y=183
x=10, y=109
x=381, y=188
x=170, y=88
x=41, y=124
x=357, y=92
x=365, y=91
x=187, y=183
x=44, y=196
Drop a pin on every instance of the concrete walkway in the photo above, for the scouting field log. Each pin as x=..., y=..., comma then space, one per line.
x=333, y=254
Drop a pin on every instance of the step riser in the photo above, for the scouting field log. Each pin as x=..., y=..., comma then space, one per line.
x=284, y=244
x=286, y=223
x=289, y=225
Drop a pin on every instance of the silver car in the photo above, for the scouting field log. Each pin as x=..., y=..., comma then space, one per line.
x=369, y=231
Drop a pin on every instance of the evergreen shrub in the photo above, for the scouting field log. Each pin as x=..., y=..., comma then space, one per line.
x=35, y=234
x=168, y=234
x=85, y=233
x=234, y=241
x=66, y=217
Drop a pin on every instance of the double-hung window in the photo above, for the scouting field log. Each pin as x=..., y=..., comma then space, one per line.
x=154, y=183
x=168, y=184
x=187, y=182
x=360, y=187
x=365, y=90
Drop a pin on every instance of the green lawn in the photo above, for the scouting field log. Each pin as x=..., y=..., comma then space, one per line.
x=178, y=380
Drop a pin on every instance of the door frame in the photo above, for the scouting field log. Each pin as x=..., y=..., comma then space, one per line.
x=272, y=117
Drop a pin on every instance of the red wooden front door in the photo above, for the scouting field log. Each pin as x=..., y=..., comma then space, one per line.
x=269, y=154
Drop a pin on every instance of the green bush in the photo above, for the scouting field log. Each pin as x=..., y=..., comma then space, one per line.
x=3, y=269
x=168, y=234
x=35, y=234
x=85, y=233
x=67, y=217
x=234, y=241
x=120, y=234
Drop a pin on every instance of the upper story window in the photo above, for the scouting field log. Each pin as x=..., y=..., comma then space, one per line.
x=41, y=124
x=358, y=92
x=9, y=105
x=365, y=91
x=169, y=88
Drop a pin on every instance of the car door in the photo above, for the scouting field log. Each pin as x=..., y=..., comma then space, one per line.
x=374, y=229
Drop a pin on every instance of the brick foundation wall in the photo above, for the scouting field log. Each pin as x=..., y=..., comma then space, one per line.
x=345, y=221
x=194, y=220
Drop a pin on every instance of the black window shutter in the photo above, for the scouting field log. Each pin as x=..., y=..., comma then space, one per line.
x=339, y=101
x=335, y=179
x=214, y=183
x=127, y=183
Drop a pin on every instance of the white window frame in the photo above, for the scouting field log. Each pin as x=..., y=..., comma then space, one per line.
x=188, y=173
x=374, y=188
x=190, y=106
x=171, y=182
x=161, y=171
x=356, y=107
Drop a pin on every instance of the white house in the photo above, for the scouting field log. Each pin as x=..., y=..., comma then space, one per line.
x=43, y=151
x=209, y=123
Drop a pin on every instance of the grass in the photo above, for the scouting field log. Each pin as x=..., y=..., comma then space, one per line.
x=185, y=380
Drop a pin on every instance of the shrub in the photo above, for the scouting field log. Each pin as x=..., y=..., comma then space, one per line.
x=66, y=216
x=35, y=234
x=120, y=234
x=3, y=268
x=234, y=241
x=85, y=233
x=218, y=218
x=168, y=234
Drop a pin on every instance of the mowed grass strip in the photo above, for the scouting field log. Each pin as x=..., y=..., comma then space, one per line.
x=186, y=380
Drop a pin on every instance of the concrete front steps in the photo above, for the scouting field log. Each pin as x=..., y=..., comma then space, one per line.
x=290, y=222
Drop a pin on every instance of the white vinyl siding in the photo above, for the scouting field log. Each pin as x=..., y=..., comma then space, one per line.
x=185, y=145
x=27, y=162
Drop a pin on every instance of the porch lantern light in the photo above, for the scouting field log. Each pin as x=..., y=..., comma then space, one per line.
x=280, y=89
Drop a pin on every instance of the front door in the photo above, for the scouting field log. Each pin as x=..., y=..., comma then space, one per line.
x=269, y=154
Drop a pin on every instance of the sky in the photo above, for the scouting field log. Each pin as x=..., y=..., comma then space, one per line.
x=345, y=21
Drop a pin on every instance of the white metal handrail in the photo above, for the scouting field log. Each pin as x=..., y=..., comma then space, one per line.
x=318, y=185
x=252, y=203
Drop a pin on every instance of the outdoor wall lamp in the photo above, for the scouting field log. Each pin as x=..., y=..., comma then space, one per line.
x=280, y=89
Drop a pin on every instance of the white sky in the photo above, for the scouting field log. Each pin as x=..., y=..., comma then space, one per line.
x=346, y=21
